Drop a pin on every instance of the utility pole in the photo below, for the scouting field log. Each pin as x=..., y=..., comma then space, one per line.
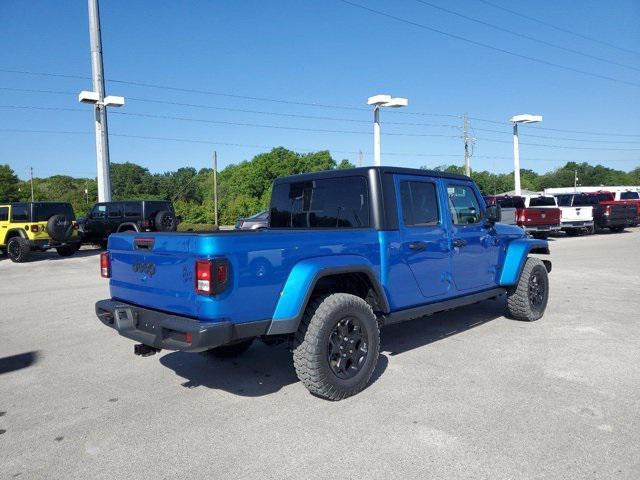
x=359, y=158
x=575, y=180
x=215, y=187
x=100, y=109
x=31, y=175
x=465, y=128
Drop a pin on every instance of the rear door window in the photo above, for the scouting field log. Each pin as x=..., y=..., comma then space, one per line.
x=419, y=203
x=542, y=202
x=115, y=210
x=44, y=211
x=4, y=214
x=564, y=200
x=20, y=212
x=323, y=203
x=132, y=209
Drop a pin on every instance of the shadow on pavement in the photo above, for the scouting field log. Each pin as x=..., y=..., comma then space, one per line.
x=263, y=370
x=18, y=362
x=50, y=255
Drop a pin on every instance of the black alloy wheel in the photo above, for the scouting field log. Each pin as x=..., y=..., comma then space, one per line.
x=537, y=289
x=347, y=349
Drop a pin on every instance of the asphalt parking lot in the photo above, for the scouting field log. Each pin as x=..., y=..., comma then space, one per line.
x=465, y=394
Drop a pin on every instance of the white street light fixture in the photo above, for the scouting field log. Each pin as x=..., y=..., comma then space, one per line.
x=100, y=102
x=516, y=119
x=379, y=101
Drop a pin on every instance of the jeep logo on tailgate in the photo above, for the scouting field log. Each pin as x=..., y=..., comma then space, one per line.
x=147, y=268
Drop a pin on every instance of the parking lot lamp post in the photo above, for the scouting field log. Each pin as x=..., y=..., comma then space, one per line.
x=100, y=102
x=379, y=101
x=517, y=119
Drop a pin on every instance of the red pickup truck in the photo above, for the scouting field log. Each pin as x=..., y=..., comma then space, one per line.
x=615, y=214
x=538, y=216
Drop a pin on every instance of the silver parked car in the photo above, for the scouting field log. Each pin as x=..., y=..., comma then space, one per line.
x=258, y=221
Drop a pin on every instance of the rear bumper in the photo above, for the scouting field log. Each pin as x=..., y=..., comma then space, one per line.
x=541, y=228
x=580, y=224
x=607, y=222
x=166, y=331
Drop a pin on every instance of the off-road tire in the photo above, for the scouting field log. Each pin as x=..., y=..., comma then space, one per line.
x=229, y=351
x=519, y=303
x=310, y=355
x=67, y=250
x=165, y=221
x=59, y=227
x=18, y=250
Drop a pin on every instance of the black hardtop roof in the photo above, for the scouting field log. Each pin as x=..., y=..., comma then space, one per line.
x=364, y=171
x=34, y=203
x=134, y=201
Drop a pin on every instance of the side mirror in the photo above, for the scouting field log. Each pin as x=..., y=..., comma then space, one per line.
x=493, y=214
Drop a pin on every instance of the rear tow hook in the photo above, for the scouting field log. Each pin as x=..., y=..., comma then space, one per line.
x=144, y=350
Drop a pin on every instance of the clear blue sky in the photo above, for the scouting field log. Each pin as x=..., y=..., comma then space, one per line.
x=319, y=52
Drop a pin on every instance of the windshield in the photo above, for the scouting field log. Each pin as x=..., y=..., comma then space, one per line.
x=259, y=216
x=564, y=200
x=629, y=196
x=542, y=202
x=44, y=211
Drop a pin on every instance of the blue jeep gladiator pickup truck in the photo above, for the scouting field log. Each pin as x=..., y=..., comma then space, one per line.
x=346, y=252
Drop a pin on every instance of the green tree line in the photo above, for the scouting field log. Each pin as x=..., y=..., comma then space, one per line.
x=245, y=188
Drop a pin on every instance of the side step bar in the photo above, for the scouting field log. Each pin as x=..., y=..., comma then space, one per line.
x=430, y=309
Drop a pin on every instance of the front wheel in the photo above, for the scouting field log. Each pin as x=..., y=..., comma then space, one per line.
x=67, y=250
x=528, y=299
x=337, y=346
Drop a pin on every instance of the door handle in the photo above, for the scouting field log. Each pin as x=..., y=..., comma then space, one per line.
x=458, y=242
x=417, y=246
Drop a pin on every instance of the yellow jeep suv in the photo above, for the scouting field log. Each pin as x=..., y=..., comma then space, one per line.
x=37, y=226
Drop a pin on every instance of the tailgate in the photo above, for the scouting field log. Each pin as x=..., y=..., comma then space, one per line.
x=542, y=216
x=577, y=214
x=155, y=271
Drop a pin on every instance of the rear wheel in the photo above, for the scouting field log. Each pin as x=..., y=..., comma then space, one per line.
x=337, y=346
x=67, y=250
x=528, y=299
x=18, y=250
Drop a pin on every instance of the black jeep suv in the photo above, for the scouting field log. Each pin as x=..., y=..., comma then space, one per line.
x=131, y=215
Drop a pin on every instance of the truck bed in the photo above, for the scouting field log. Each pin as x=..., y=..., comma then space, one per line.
x=162, y=275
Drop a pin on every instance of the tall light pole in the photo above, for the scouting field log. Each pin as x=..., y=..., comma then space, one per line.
x=101, y=102
x=517, y=119
x=379, y=101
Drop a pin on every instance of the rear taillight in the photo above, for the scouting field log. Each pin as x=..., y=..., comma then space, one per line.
x=146, y=223
x=520, y=216
x=35, y=228
x=212, y=276
x=607, y=210
x=105, y=265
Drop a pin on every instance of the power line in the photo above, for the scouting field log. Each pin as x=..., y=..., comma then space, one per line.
x=487, y=46
x=528, y=37
x=561, y=146
x=209, y=142
x=478, y=119
x=560, y=29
